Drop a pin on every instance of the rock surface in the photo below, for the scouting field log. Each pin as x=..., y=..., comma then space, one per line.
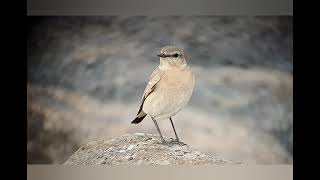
x=140, y=149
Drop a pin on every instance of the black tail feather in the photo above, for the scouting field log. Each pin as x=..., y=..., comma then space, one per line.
x=138, y=119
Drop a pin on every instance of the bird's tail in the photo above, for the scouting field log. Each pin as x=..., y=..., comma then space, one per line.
x=139, y=117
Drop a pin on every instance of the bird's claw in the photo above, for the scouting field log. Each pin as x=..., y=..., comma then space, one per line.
x=177, y=141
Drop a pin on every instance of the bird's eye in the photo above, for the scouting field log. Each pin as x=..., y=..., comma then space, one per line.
x=176, y=55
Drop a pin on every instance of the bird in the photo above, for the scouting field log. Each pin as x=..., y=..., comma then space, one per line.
x=169, y=89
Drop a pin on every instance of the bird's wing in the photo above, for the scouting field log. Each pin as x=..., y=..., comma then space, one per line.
x=153, y=80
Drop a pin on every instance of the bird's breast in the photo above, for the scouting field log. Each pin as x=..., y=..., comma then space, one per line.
x=171, y=94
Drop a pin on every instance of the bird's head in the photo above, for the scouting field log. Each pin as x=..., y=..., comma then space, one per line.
x=172, y=56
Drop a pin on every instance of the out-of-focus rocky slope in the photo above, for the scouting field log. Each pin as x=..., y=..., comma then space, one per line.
x=86, y=76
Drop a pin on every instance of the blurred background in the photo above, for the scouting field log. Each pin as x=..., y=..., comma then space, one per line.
x=86, y=76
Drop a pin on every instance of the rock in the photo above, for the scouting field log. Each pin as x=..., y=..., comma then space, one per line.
x=140, y=149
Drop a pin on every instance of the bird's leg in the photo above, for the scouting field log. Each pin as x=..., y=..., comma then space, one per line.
x=177, y=138
x=155, y=123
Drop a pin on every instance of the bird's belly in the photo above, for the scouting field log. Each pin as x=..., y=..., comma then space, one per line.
x=165, y=103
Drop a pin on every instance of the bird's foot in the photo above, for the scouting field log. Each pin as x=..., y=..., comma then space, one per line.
x=177, y=141
x=165, y=143
x=173, y=141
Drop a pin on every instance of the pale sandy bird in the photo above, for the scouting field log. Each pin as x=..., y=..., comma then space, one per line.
x=169, y=88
